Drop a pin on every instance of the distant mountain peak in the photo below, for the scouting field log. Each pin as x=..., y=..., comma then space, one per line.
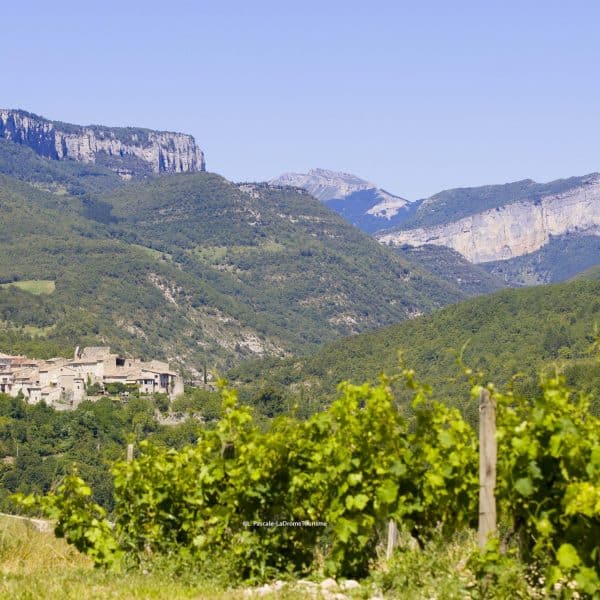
x=324, y=184
x=361, y=202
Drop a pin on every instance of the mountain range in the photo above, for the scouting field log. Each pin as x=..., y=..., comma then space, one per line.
x=184, y=266
x=119, y=236
x=521, y=233
x=526, y=231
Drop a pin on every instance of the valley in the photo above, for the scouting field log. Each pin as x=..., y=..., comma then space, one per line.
x=309, y=350
x=188, y=267
x=511, y=332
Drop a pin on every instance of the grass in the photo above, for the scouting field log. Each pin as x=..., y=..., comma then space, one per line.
x=37, y=287
x=37, y=565
x=29, y=330
x=33, y=331
x=442, y=571
x=216, y=254
x=152, y=252
x=53, y=188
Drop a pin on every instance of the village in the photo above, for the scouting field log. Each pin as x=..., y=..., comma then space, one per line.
x=63, y=383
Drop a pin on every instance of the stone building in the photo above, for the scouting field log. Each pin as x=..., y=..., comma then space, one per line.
x=62, y=382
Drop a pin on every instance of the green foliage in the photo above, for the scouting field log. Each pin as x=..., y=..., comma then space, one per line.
x=150, y=268
x=351, y=469
x=511, y=332
x=447, y=453
x=549, y=480
x=500, y=573
x=451, y=266
x=348, y=470
x=93, y=389
x=80, y=521
x=447, y=569
x=116, y=387
x=201, y=402
x=162, y=402
x=297, y=262
x=60, y=177
x=40, y=445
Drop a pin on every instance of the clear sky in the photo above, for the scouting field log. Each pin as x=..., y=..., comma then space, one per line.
x=417, y=96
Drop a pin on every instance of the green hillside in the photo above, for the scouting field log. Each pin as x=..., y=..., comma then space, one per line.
x=190, y=267
x=560, y=259
x=61, y=177
x=591, y=273
x=451, y=266
x=513, y=331
x=102, y=292
x=281, y=252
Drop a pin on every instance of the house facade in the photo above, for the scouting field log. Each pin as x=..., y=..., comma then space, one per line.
x=62, y=382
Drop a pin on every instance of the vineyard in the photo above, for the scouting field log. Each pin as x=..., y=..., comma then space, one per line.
x=315, y=497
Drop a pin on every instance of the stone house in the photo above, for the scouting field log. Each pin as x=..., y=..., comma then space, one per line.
x=61, y=382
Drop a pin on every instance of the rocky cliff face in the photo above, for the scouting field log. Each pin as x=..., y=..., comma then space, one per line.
x=513, y=229
x=129, y=151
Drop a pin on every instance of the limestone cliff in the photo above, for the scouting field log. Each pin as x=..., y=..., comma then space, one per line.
x=126, y=150
x=514, y=229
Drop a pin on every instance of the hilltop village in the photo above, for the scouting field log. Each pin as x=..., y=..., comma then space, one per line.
x=63, y=383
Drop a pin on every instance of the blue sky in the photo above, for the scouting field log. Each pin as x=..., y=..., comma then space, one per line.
x=416, y=96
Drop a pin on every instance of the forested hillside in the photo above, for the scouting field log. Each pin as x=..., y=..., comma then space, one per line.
x=40, y=445
x=449, y=265
x=562, y=258
x=63, y=177
x=187, y=267
x=103, y=289
x=510, y=332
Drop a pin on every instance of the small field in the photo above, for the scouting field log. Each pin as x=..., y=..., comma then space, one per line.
x=30, y=330
x=216, y=254
x=38, y=287
x=152, y=252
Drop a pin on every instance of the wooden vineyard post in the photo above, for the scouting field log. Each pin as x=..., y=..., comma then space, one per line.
x=392, y=539
x=487, y=467
x=129, y=452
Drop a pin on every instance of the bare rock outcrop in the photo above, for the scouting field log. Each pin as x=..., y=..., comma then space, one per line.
x=128, y=151
x=513, y=229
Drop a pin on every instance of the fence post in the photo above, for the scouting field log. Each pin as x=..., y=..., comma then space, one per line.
x=129, y=452
x=392, y=539
x=487, y=467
